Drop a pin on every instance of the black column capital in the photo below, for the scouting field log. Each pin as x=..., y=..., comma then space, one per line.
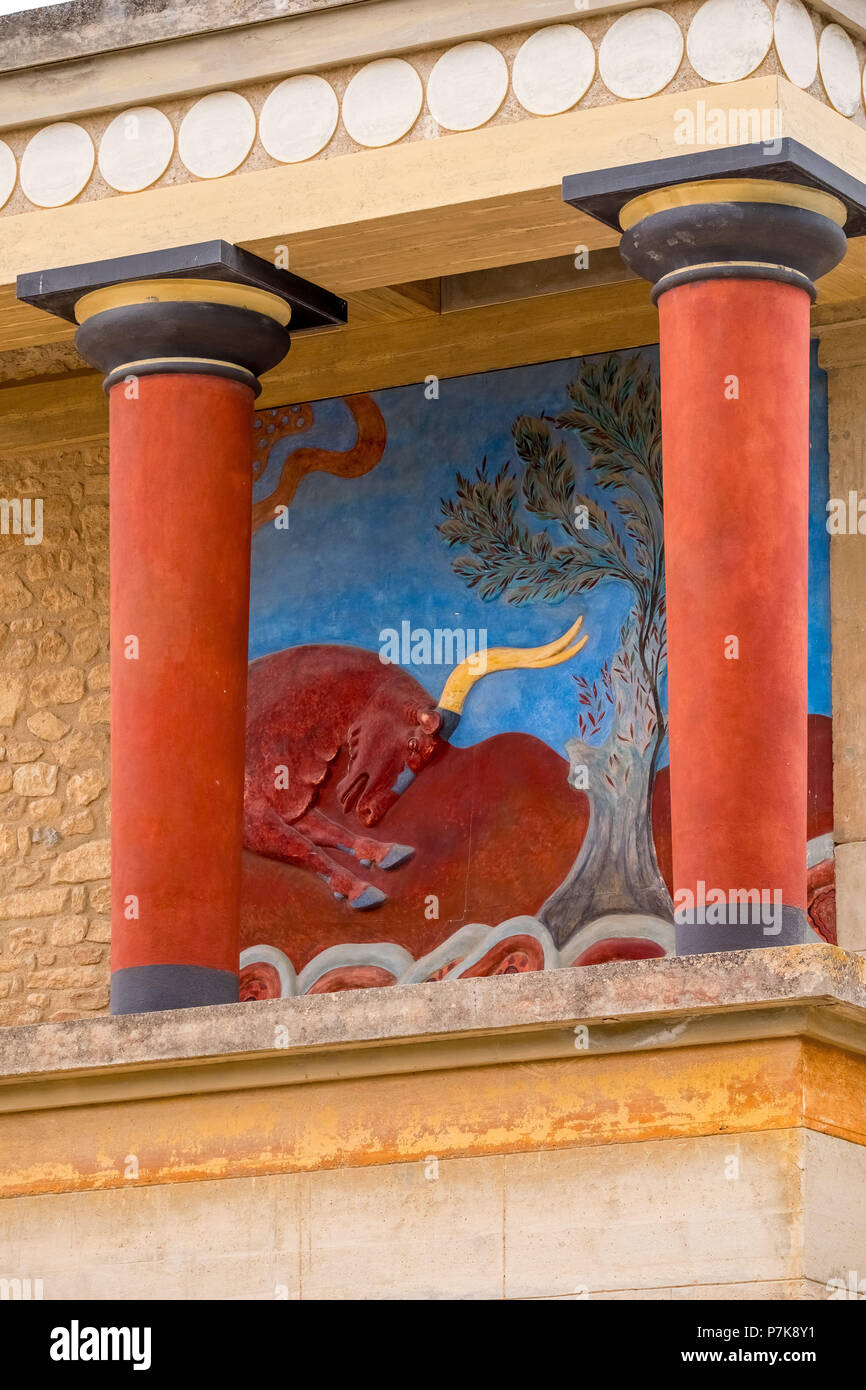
x=210, y=308
x=757, y=211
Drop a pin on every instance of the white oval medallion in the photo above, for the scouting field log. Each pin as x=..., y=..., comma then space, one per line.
x=382, y=102
x=840, y=70
x=8, y=173
x=467, y=86
x=136, y=149
x=217, y=134
x=728, y=39
x=640, y=53
x=553, y=69
x=298, y=118
x=796, y=45
x=56, y=164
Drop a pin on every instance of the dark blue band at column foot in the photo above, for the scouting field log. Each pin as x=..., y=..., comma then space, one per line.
x=144, y=989
x=778, y=926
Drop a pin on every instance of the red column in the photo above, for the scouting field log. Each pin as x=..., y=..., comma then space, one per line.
x=183, y=335
x=732, y=241
x=735, y=430
x=180, y=536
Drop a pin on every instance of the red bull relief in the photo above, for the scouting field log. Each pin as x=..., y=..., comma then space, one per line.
x=456, y=759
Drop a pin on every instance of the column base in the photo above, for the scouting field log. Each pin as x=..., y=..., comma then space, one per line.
x=146, y=989
x=783, y=926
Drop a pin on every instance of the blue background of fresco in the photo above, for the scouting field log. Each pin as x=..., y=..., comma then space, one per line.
x=363, y=554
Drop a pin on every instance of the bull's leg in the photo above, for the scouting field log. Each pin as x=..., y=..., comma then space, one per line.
x=383, y=853
x=268, y=834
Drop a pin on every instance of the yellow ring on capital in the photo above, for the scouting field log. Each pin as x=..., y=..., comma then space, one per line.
x=177, y=291
x=682, y=195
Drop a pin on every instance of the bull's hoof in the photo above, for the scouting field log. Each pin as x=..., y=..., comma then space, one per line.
x=370, y=897
x=397, y=854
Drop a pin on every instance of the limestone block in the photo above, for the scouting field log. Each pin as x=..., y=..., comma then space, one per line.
x=20, y=937
x=464, y=1228
x=53, y=647
x=95, y=709
x=13, y=594
x=23, y=751
x=62, y=687
x=94, y=526
x=19, y=653
x=847, y=393
x=46, y=725
x=418, y=1230
x=655, y=1214
x=90, y=999
x=59, y=598
x=90, y=953
x=69, y=930
x=45, y=902
x=35, y=779
x=86, y=786
x=11, y=698
x=193, y=1240
x=16, y=1013
x=38, y=566
x=851, y=896
x=92, y=860
x=100, y=898
x=76, y=748
x=834, y=1181
x=23, y=875
x=98, y=676
x=67, y=977
x=85, y=644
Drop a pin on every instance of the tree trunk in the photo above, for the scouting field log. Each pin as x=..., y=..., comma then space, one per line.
x=616, y=869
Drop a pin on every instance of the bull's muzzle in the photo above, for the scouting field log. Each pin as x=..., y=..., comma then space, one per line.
x=406, y=777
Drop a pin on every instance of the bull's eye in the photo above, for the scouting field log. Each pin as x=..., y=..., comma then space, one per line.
x=413, y=745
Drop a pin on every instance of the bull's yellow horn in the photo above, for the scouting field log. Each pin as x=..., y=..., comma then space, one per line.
x=464, y=676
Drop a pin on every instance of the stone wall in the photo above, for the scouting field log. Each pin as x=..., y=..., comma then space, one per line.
x=54, y=741
x=843, y=356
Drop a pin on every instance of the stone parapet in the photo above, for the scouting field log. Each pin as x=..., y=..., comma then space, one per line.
x=628, y=1005
x=681, y=1128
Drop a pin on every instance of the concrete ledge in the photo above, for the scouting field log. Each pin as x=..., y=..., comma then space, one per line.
x=617, y=1054
x=661, y=992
